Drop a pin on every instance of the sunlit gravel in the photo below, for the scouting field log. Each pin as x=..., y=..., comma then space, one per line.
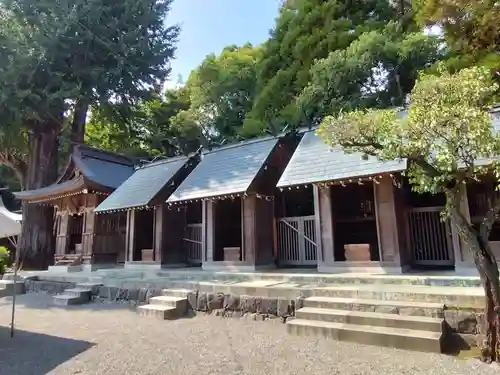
x=104, y=338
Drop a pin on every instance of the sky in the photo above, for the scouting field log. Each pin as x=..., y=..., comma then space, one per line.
x=207, y=26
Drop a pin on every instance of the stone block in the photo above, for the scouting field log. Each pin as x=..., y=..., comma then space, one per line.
x=215, y=301
x=284, y=307
x=132, y=294
x=142, y=296
x=108, y=292
x=462, y=321
x=231, y=302
x=267, y=305
x=202, y=303
x=192, y=298
x=247, y=304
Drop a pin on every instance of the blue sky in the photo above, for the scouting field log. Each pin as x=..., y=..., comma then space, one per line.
x=210, y=25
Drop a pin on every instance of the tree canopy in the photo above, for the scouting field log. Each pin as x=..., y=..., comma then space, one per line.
x=449, y=141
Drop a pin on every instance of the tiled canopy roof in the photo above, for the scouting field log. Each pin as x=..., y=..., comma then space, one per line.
x=100, y=170
x=144, y=185
x=314, y=161
x=227, y=170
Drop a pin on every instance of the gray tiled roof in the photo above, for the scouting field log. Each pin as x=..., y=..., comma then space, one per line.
x=227, y=170
x=315, y=161
x=140, y=188
x=104, y=172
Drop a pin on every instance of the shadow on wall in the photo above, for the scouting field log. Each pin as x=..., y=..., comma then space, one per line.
x=35, y=353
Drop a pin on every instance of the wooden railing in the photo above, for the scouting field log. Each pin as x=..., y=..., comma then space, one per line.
x=296, y=238
x=429, y=237
x=193, y=243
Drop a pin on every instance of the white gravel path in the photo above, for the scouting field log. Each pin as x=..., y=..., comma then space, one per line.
x=111, y=339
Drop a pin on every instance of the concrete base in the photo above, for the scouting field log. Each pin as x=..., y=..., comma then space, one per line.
x=235, y=266
x=378, y=268
x=96, y=267
x=466, y=269
x=66, y=269
x=143, y=266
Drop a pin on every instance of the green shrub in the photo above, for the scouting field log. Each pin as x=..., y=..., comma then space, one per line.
x=4, y=258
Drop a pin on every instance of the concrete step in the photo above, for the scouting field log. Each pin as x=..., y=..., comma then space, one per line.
x=93, y=286
x=179, y=303
x=7, y=287
x=158, y=311
x=369, y=335
x=67, y=300
x=181, y=293
x=434, y=310
x=420, y=323
x=450, y=296
x=83, y=293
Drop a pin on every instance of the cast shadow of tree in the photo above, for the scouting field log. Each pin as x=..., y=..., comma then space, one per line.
x=30, y=353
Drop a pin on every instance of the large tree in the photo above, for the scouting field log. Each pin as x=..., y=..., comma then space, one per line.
x=307, y=30
x=377, y=70
x=153, y=127
x=471, y=29
x=63, y=56
x=222, y=90
x=449, y=141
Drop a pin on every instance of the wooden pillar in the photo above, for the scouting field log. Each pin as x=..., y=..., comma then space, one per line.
x=249, y=231
x=172, y=234
x=323, y=215
x=208, y=229
x=257, y=223
x=62, y=232
x=158, y=223
x=130, y=239
x=387, y=223
x=89, y=222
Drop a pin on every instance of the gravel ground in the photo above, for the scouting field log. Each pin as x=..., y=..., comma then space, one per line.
x=102, y=338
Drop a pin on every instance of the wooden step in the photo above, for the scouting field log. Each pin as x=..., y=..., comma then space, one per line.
x=420, y=323
x=429, y=309
x=370, y=335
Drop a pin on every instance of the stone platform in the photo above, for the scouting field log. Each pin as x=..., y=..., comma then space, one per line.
x=412, y=311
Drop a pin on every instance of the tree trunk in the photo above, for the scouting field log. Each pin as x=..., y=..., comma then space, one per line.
x=36, y=243
x=487, y=267
x=78, y=123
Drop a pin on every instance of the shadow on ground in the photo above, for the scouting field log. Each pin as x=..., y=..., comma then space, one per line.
x=30, y=353
x=45, y=301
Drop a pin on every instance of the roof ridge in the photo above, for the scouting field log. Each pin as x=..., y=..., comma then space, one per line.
x=155, y=163
x=104, y=155
x=242, y=144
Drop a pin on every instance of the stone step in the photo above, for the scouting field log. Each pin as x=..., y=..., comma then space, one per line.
x=67, y=300
x=434, y=310
x=419, y=323
x=370, y=335
x=181, y=293
x=158, y=311
x=7, y=287
x=179, y=303
x=451, y=296
x=83, y=293
x=93, y=286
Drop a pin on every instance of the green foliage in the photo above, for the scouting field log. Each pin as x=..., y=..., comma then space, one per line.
x=375, y=71
x=4, y=258
x=307, y=30
x=447, y=137
x=54, y=55
x=154, y=127
x=470, y=27
x=222, y=90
